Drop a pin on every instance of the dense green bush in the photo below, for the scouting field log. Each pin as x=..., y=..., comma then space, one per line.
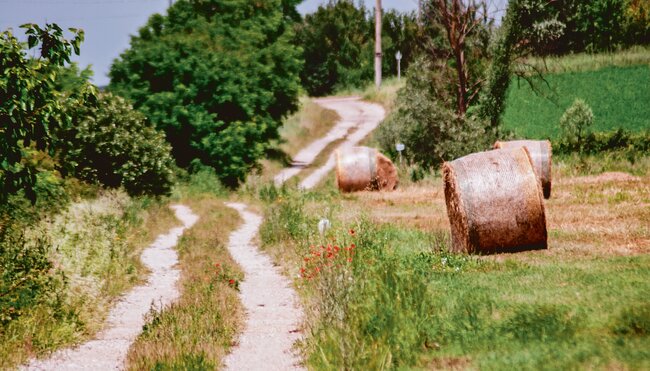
x=576, y=122
x=114, y=145
x=217, y=77
x=431, y=132
x=30, y=108
x=635, y=144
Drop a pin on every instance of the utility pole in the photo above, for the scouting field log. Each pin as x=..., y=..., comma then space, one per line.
x=378, y=44
x=420, y=12
x=398, y=56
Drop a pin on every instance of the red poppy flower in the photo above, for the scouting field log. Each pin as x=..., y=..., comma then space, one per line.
x=352, y=232
x=232, y=282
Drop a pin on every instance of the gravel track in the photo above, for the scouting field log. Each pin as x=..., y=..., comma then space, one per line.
x=125, y=320
x=355, y=114
x=272, y=307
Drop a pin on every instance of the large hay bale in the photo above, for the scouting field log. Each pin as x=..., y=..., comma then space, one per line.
x=541, y=155
x=494, y=202
x=364, y=168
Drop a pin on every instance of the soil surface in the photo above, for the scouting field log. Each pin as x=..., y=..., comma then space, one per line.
x=272, y=306
x=355, y=114
x=606, y=177
x=108, y=351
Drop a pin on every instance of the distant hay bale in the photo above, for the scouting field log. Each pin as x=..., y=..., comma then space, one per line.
x=494, y=202
x=364, y=168
x=541, y=155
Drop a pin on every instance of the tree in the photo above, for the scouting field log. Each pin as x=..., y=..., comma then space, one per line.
x=422, y=120
x=336, y=42
x=30, y=108
x=466, y=28
x=524, y=31
x=217, y=77
x=576, y=122
x=338, y=45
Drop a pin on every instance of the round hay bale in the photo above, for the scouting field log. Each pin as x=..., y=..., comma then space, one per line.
x=364, y=168
x=541, y=154
x=386, y=173
x=494, y=202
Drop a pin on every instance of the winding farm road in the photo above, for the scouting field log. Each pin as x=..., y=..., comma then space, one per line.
x=273, y=311
x=125, y=320
x=357, y=115
x=272, y=307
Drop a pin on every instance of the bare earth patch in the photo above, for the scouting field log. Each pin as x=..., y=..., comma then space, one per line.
x=604, y=178
x=108, y=351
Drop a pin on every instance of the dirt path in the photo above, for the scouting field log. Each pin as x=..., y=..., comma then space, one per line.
x=355, y=114
x=125, y=320
x=272, y=307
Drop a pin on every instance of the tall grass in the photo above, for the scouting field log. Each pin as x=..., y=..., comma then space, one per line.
x=380, y=296
x=384, y=96
x=93, y=247
x=196, y=331
x=581, y=62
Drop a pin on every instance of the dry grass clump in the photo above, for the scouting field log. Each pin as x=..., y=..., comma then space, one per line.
x=364, y=168
x=541, y=155
x=494, y=202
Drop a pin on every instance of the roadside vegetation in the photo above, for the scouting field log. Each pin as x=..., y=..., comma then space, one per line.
x=382, y=291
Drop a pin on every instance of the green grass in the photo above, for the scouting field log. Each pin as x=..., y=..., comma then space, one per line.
x=402, y=301
x=619, y=98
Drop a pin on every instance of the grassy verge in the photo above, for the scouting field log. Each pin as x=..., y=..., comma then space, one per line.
x=93, y=249
x=383, y=292
x=639, y=55
x=310, y=123
x=196, y=331
x=618, y=97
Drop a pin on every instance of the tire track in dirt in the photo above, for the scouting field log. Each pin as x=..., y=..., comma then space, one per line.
x=124, y=323
x=272, y=306
x=355, y=114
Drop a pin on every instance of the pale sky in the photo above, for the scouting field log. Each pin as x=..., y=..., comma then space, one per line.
x=109, y=23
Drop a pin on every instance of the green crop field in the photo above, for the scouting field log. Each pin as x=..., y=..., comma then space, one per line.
x=618, y=96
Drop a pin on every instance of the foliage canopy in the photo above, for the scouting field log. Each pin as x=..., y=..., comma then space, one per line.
x=338, y=45
x=217, y=76
x=113, y=144
x=30, y=108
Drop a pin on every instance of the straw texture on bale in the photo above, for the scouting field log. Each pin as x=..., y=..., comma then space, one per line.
x=494, y=202
x=541, y=155
x=364, y=168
